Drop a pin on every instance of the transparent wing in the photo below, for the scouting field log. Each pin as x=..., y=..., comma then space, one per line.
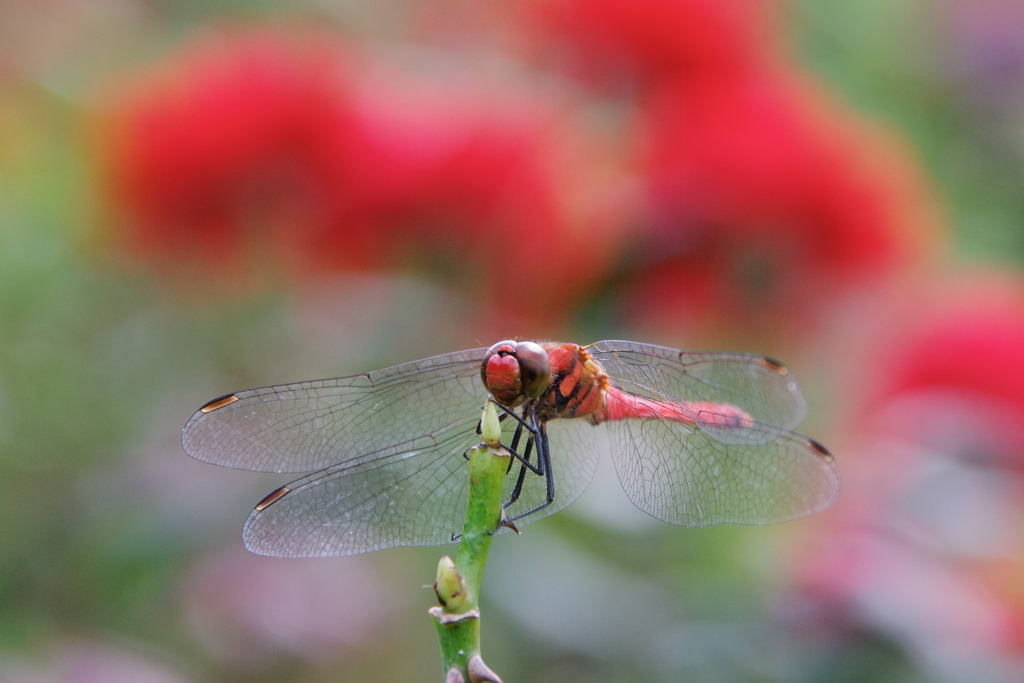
x=308, y=426
x=755, y=473
x=680, y=474
x=765, y=389
x=413, y=493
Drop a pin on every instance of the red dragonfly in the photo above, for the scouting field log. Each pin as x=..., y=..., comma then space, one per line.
x=696, y=439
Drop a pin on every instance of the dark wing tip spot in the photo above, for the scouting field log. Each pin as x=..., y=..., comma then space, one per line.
x=271, y=498
x=774, y=365
x=820, y=450
x=216, y=403
x=681, y=357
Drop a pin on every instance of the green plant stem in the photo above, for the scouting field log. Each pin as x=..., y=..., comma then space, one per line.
x=457, y=619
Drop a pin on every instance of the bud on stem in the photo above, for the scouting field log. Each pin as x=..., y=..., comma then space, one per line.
x=450, y=587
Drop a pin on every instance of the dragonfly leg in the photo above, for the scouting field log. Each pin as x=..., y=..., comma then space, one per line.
x=520, y=428
x=510, y=413
x=518, y=490
x=550, y=498
x=524, y=459
x=514, y=447
x=543, y=468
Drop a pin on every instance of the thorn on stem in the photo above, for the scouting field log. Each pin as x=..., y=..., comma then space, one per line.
x=505, y=522
x=479, y=672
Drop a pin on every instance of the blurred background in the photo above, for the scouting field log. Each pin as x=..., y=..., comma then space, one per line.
x=197, y=198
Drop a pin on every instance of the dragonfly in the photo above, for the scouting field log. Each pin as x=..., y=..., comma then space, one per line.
x=696, y=438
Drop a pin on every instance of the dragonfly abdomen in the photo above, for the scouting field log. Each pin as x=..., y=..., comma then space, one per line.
x=623, y=405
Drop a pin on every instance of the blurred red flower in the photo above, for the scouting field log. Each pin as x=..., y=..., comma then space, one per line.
x=765, y=199
x=263, y=149
x=231, y=149
x=953, y=375
x=645, y=42
x=925, y=542
x=477, y=187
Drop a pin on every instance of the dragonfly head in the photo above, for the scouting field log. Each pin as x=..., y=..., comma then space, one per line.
x=511, y=370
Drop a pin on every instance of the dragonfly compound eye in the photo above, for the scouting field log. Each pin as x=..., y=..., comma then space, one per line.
x=500, y=373
x=534, y=369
